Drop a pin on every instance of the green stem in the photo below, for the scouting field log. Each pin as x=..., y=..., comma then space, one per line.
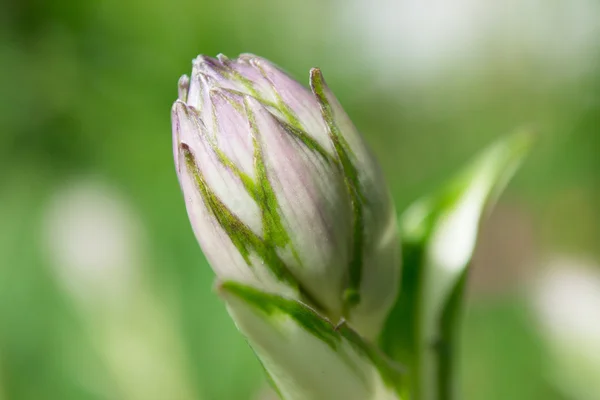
x=431, y=365
x=447, y=347
x=402, y=338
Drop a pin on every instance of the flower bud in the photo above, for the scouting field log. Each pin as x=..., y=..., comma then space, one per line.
x=282, y=192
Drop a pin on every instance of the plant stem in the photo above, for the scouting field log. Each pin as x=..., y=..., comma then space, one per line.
x=447, y=348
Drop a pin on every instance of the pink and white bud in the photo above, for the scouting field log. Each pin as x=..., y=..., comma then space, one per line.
x=281, y=190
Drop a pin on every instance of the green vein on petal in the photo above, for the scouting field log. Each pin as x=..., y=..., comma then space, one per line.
x=292, y=128
x=246, y=180
x=275, y=232
x=308, y=141
x=273, y=305
x=343, y=151
x=243, y=238
x=231, y=74
x=256, y=96
x=289, y=114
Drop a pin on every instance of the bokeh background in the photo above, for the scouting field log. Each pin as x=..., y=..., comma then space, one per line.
x=104, y=293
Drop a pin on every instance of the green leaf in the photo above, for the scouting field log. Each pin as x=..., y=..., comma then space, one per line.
x=439, y=233
x=304, y=355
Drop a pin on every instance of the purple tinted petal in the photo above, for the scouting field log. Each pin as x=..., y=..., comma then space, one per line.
x=216, y=245
x=299, y=99
x=195, y=91
x=381, y=258
x=222, y=181
x=313, y=205
x=261, y=86
x=232, y=132
x=222, y=254
x=216, y=72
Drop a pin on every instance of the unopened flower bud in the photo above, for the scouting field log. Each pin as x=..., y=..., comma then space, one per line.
x=282, y=192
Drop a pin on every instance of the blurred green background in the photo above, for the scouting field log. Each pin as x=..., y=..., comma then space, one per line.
x=104, y=293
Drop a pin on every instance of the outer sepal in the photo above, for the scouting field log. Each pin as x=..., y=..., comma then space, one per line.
x=305, y=356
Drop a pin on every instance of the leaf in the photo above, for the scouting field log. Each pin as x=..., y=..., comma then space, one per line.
x=439, y=233
x=304, y=355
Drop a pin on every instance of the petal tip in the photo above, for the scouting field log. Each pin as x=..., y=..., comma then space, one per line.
x=187, y=154
x=179, y=106
x=183, y=87
x=317, y=82
x=207, y=64
x=315, y=73
x=247, y=57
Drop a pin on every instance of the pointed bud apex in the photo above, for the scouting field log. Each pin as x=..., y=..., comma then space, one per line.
x=282, y=192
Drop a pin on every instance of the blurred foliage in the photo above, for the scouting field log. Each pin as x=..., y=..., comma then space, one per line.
x=87, y=89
